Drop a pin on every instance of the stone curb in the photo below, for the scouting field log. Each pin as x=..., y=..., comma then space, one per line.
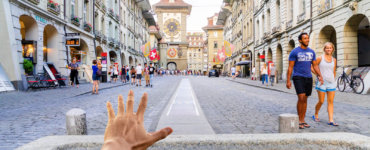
x=329, y=140
x=259, y=86
x=100, y=89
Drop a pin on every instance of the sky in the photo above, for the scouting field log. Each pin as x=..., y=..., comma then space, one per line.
x=201, y=10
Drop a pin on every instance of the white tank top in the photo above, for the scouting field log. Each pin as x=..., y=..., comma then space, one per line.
x=327, y=69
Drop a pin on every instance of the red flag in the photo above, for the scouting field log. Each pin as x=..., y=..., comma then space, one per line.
x=153, y=54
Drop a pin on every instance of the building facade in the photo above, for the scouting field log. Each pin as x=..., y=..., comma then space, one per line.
x=270, y=30
x=195, y=51
x=38, y=31
x=172, y=19
x=214, y=42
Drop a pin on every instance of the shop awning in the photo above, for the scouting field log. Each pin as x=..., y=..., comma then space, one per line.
x=245, y=62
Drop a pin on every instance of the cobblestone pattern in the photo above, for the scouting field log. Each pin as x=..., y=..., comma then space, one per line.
x=237, y=108
x=347, y=97
x=27, y=116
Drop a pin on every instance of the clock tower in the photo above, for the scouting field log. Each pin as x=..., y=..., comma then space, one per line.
x=172, y=19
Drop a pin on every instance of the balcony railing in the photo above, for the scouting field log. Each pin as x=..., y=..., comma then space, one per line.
x=36, y=2
x=301, y=17
x=111, y=41
x=289, y=24
x=266, y=35
x=98, y=35
x=53, y=7
x=111, y=13
x=276, y=29
x=104, y=38
x=116, y=44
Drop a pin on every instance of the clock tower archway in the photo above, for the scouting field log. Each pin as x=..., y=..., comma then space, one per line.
x=172, y=20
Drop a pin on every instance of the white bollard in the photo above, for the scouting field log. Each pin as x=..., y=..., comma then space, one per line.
x=288, y=123
x=76, y=122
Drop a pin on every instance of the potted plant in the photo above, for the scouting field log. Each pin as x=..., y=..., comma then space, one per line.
x=28, y=67
x=75, y=20
x=87, y=27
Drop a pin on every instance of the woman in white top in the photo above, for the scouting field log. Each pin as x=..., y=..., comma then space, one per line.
x=327, y=64
x=264, y=75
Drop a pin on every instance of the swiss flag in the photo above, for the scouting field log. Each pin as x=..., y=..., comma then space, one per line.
x=221, y=55
x=153, y=54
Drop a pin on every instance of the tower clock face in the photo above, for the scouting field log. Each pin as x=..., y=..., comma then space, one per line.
x=172, y=27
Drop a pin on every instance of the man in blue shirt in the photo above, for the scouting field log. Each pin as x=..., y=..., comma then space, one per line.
x=300, y=61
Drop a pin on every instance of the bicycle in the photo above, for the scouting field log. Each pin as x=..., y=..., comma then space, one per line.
x=353, y=81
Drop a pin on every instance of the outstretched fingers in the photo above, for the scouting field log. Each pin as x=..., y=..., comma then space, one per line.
x=130, y=103
x=111, y=114
x=142, y=107
x=121, y=106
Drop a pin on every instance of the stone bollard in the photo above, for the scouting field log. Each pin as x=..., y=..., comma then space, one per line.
x=76, y=122
x=288, y=123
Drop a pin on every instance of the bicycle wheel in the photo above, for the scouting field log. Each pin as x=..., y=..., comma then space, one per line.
x=341, y=83
x=358, y=85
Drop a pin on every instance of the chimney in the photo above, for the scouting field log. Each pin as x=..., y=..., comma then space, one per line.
x=210, y=21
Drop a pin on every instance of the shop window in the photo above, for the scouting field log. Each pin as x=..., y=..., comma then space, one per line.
x=29, y=50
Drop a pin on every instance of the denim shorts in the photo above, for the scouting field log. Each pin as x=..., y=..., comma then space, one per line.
x=326, y=87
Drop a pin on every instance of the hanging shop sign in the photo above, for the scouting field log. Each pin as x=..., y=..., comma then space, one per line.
x=73, y=39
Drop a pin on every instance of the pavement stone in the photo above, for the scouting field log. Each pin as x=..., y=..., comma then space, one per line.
x=231, y=107
x=27, y=116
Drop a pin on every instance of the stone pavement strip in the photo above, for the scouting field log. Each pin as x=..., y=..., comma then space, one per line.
x=184, y=114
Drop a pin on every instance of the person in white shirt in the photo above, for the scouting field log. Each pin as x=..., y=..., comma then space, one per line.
x=233, y=70
x=139, y=71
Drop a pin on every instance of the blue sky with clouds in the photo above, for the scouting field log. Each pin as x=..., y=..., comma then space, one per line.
x=202, y=9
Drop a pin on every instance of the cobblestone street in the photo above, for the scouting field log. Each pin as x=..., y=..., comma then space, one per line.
x=233, y=107
x=230, y=107
x=27, y=116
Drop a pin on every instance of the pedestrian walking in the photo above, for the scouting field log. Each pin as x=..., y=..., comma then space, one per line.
x=133, y=75
x=74, y=72
x=327, y=64
x=151, y=74
x=127, y=74
x=233, y=72
x=123, y=74
x=96, y=77
x=253, y=73
x=264, y=75
x=139, y=71
x=272, y=74
x=300, y=61
x=146, y=74
x=115, y=72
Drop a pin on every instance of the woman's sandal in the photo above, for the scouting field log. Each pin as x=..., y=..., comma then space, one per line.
x=315, y=119
x=301, y=126
x=333, y=124
x=305, y=125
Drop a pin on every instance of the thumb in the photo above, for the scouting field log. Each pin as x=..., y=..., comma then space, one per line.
x=161, y=134
x=154, y=137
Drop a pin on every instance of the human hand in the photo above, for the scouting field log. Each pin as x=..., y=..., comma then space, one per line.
x=126, y=130
x=321, y=80
x=288, y=84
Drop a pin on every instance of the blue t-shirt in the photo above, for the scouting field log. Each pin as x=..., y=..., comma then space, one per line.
x=95, y=69
x=303, y=59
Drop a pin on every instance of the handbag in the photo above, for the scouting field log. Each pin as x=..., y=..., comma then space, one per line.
x=98, y=72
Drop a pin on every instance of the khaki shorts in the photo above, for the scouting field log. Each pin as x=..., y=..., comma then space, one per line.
x=147, y=77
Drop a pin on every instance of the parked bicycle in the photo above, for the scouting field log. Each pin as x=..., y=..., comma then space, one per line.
x=353, y=81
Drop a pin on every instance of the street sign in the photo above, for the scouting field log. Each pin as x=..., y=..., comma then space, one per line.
x=73, y=39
